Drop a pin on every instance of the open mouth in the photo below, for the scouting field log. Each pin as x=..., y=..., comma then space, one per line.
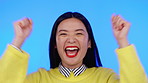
x=71, y=51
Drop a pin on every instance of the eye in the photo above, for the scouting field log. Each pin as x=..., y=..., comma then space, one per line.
x=79, y=33
x=63, y=34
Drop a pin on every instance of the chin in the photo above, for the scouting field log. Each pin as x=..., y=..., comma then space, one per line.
x=73, y=63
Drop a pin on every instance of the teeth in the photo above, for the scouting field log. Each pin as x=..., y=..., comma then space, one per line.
x=71, y=48
x=71, y=54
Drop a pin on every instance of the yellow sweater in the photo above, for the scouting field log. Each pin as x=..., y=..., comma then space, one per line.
x=13, y=68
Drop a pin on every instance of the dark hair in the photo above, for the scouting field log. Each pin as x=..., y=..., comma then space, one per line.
x=91, y=58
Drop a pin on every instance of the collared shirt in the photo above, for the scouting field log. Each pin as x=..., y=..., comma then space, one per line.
x=15, y=47
x=66, y=71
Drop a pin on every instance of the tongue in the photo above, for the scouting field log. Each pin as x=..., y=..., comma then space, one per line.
x=71, y=53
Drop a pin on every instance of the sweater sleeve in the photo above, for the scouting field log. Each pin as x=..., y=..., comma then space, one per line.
x=13, y=66
x=131, y=70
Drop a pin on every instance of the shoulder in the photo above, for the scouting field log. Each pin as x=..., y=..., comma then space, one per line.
x=103, y=73
x=43, y=72
x=100, y=69
x=38, y=73
x=38, y=76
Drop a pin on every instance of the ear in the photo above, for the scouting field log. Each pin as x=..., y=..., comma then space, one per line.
x=89, y=44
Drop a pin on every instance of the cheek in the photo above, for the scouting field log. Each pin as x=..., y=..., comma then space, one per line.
x=59, y=46
x=83, y=40
x=60, y=42
x=84, y=44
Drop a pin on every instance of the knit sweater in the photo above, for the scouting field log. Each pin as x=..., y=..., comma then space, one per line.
x=13, y=68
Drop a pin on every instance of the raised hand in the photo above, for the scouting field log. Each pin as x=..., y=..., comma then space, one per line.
x=120, y=29
x=22, y=30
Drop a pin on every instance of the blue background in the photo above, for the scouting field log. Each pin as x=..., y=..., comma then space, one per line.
x=45, y=12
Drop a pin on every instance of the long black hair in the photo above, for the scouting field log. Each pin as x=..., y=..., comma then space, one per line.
x=91, y=58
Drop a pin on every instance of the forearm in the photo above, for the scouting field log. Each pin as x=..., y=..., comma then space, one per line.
x=18, y=42
x=13, y=66
x=123, y=42
x=131, y=70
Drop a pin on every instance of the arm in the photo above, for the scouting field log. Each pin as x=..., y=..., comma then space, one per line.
x=131, y=71
x=13, y=64
x=22, y=30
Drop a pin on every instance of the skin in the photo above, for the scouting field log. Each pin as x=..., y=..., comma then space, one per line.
x=72, y=32
x=22, y=29
x=120, y=28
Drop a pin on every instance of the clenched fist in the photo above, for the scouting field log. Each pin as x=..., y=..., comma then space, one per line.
x=120, y=29
x=22, y=30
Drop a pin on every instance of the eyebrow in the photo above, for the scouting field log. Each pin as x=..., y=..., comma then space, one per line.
x=75, y=30
x=63, y=30
x=80, y=30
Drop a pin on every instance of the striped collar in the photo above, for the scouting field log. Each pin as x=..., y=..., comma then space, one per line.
x=66, y=71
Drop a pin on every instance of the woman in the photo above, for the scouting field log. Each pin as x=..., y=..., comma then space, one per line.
x=73, y=52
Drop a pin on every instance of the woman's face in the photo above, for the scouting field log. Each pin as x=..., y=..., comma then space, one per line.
x=72, y=42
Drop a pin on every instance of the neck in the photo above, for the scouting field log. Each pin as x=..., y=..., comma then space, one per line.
x=71, y=66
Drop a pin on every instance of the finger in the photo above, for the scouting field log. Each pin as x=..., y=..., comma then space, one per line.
x=127, y=24
x=120, y=23
x=17, y=27
x=25, y=22
x=116, y=17
x=121, y=20
x=16, y=24
x=30, y=20
x=31, y=23
x=123, y=23
x=112, y=17
x=115, y=22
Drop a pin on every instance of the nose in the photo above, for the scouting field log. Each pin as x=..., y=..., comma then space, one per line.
x=71, y=39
